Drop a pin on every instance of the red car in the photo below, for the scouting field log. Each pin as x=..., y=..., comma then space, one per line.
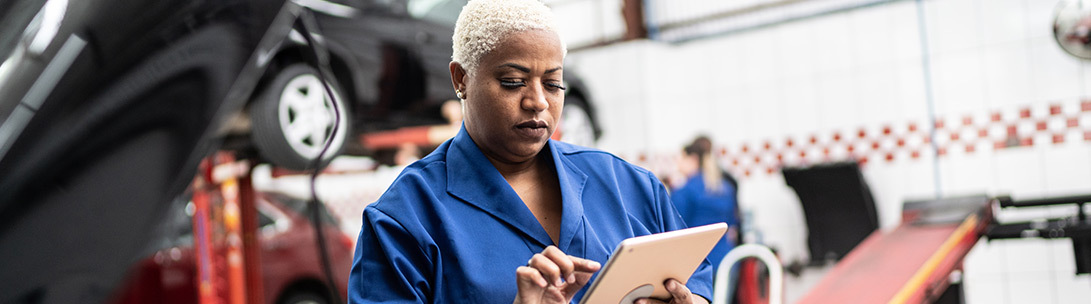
x=290, y=268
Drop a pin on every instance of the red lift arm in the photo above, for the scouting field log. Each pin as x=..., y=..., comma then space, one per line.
x=912, y=263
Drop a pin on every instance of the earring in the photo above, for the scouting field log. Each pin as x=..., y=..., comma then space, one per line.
x=460, y=94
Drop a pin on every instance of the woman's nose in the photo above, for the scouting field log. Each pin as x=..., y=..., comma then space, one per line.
x=535, y=98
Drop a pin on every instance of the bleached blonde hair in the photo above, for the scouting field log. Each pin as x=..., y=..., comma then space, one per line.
x=482, y=24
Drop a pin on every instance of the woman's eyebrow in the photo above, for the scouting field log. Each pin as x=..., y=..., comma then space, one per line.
x=515, y=66
x=526, y=69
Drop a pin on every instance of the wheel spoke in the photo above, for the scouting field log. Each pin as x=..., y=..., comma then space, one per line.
x=318, y=136
x=297, y=132
x=315, y=93
x=297, y=95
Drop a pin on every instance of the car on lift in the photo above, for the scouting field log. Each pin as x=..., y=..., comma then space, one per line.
x=107, y=109
x=291, y=271
x=389, y=62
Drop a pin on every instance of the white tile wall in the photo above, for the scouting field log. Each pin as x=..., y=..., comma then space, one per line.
x=958, y=82
x=1055, y=75
x=863, y=68
x=983, y=259
x=1018, y=172
x=837, y=99
x=965, y=174
x=870, y=36
x=888, y=187
x=1028, y=257
x=875, y=86
x=1085, y=76
x=986, y=290
x=1031, y=288
x=1067, y=169
x=832, y=50
x=796, y=53
x=1039, y=15
x=910, y=91
x=953, y=25
x=1003, y=21
x=1063, y=259
x=800, y=104
x=1007, y=74
x=903, y=16
x=1069, y=290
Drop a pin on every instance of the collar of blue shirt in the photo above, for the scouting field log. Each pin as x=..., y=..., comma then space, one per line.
x=473, y=179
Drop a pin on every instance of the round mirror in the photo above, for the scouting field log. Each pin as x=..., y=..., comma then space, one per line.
x=1072, y=27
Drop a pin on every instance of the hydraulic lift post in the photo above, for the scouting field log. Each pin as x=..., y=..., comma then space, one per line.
x=228, y=265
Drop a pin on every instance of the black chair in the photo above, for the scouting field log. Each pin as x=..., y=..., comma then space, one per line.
x=837, y=205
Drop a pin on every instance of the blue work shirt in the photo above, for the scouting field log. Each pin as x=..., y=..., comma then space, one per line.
x=451, y=229
x=702, y=207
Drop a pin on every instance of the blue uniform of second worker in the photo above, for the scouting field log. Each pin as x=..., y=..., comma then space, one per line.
x=451, y=229
x=701, y=207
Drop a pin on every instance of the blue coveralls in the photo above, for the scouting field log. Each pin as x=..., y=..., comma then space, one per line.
x=451, y=229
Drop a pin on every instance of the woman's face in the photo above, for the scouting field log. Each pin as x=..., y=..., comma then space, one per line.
x=514, y=98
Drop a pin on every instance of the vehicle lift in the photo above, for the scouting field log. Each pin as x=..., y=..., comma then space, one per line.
x=921, y=260
x=228, y=261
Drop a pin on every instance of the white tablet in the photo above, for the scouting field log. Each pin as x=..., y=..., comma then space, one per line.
x=640, y=265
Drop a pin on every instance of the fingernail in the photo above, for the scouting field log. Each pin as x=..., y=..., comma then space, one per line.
x=558, y=283
x=571, y=277
x=594, y=264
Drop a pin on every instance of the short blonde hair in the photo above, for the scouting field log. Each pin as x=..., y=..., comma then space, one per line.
x=484, y=23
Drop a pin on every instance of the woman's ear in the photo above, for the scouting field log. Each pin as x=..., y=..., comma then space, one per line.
x=458, y=76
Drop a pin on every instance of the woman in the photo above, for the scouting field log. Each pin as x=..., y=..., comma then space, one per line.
x=500, y=212
x=708, y=196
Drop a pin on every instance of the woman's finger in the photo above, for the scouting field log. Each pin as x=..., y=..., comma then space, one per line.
x=529, y=278
x=582, y=278
x=584, y=265
x=563, y=261
x=549, y=270
x=679, y=292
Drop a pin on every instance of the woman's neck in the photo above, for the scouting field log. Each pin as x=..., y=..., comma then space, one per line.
x=536, y=184
x=528, y=168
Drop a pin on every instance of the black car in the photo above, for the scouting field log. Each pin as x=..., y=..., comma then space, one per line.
x=106, y=109
x=390, y=61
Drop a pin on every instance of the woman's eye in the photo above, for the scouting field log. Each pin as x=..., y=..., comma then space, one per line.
x=555, y=85
x=512, y=83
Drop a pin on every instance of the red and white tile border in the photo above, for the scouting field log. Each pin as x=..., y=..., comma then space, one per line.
x=1057, y=123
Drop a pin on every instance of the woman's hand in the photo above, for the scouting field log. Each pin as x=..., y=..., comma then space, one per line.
x=679, y=295
x=552, y=277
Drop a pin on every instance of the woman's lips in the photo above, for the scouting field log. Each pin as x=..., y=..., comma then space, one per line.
x=532, y=124
x=535, y=129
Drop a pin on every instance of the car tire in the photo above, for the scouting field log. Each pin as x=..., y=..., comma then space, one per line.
x=292, y=117
x=577, y=126
x=304, y=298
